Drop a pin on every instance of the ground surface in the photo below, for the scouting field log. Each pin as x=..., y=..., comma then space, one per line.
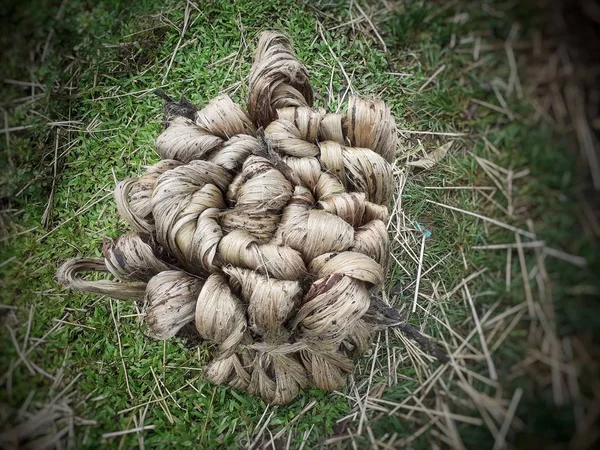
x=517, y=318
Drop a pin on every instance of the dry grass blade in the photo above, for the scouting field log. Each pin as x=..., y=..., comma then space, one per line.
x=587, y=140
x=418, y=279
x=112, y=313
x=525, y=276
x=433, y=158
x=370, y=22
x=432, y=77
x=334, y=56
x=487, y=219
x=500, y=439
x=186, y=19
x=486, y=352
x=125, y=432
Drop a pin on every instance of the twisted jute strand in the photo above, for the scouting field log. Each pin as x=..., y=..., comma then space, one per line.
x=264, y=228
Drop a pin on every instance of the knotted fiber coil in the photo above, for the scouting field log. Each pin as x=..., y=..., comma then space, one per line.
x=264, y=228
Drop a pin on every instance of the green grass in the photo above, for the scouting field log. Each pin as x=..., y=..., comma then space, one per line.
x=102, y=52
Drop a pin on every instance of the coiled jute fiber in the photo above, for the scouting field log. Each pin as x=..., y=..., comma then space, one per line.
x=264, y=228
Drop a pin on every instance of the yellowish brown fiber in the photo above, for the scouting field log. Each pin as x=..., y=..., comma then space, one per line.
x=264, y=228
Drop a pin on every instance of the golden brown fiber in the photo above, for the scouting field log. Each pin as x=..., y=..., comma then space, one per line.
x=266, y=229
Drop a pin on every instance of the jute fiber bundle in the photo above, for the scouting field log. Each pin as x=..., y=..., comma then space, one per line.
x=264, y=228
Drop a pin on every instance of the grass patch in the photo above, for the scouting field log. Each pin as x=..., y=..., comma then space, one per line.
x=101, y=61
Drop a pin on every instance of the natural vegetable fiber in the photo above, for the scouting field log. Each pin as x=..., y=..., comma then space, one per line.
x=266, y=229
